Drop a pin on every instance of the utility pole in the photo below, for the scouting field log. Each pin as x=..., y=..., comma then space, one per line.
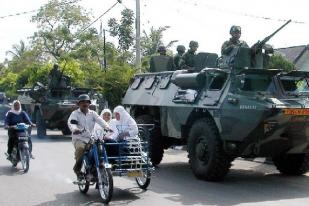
x=138, y=37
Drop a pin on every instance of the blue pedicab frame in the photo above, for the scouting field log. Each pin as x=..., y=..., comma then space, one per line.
x=132, y=158
x=132, y=161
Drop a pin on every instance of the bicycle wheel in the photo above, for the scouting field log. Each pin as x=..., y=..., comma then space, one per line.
x=24, y=159
x=143, y=181
x=105, y=183
x=84, y=185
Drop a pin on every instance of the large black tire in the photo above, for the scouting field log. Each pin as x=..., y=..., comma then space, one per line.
x=41, y=127
x=66, y=131
x=155, y=140
x=206, y=155
x=292, y=164
x=105, y=184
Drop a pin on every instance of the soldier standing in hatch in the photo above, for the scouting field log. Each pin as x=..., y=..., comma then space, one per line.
x=178, y=57
x=162, y=62
x=188, y=57
x=234, y=41
x=54, y=76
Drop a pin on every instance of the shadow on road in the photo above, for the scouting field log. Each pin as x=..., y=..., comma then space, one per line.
x=51, y=138
x=240, y=186
x=9, y=170
x=120, y=197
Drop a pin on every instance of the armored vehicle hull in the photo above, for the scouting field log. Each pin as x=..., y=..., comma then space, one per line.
x=233, y=109
x=50, y=109
x=221, y=115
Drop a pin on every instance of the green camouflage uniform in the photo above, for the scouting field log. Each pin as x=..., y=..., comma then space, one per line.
x=177, y=60
x=228, y=46
x=188, y=59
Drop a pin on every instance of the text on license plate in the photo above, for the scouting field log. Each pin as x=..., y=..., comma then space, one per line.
x=303, y=112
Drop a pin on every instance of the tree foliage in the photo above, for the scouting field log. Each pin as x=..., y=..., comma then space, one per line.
x=63, y=37
x=277, y=61
x=123, y=30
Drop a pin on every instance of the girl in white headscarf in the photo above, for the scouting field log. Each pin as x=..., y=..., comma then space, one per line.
x=125, y=124
x=106, y=114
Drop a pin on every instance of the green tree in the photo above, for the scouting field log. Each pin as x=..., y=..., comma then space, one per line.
x=61, y=28
x=18, y=49
x=277, y=61
x=123, y=30
x=150, y=42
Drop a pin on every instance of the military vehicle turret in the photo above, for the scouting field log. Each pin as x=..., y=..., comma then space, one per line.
x=235, y=109
x=50, y=106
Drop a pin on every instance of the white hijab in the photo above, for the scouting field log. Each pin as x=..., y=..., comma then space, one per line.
x=124, y=115
x=126, y=122
x=17, y=112
x=106, y=111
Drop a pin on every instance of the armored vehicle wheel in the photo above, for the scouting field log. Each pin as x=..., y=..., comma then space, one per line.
x=66, y=131
x=41, y=127
x=292, y=164
x=207, y=158
x=155, y=140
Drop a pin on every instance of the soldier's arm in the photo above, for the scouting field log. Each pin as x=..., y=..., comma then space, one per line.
x=226, y=48
x=152, y=67
x=244, y=44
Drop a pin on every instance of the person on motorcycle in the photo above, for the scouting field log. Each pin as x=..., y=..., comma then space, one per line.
x=12, y=118
x=81, y=122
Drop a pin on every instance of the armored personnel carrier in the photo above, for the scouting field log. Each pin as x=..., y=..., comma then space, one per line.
x=50, y=106
x=235, y=109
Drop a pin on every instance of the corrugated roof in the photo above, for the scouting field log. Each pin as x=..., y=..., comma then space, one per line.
x=293, y=53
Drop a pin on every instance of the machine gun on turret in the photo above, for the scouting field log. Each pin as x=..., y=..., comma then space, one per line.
x=259, y=58
x=258, y=46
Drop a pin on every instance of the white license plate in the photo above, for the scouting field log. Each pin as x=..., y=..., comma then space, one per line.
x=23, y=138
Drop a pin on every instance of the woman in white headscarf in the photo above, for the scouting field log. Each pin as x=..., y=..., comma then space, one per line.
x=106, y=114
x=125, y=124
x=12, y=118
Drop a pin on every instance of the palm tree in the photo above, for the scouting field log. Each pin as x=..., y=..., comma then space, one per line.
x=18, y=50
x=150, y=42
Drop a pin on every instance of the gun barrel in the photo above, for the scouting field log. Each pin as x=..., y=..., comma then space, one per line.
x=266, y=39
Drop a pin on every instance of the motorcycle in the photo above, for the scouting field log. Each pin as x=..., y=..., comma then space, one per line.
x=96, y=170
x=20, y=152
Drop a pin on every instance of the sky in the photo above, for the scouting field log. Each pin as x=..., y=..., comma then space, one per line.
x=206, y=21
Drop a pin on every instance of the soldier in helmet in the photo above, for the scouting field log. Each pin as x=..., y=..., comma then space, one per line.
x=162, y=62
x=178, y=57
x=188, y=57
x=54, y=76
x=234, y=41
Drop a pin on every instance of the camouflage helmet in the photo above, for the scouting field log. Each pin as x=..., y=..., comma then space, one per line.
x=83, y=97
x=235, y=29
x=193, y=44
x=161, y=49
x=181, y=48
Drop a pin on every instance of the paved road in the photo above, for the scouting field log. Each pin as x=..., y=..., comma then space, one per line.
x=49, y=182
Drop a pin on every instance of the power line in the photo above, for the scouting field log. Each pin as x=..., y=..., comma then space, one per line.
x=35, y=10
x=85, y=28
x=223, y=10
x=18, y=14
